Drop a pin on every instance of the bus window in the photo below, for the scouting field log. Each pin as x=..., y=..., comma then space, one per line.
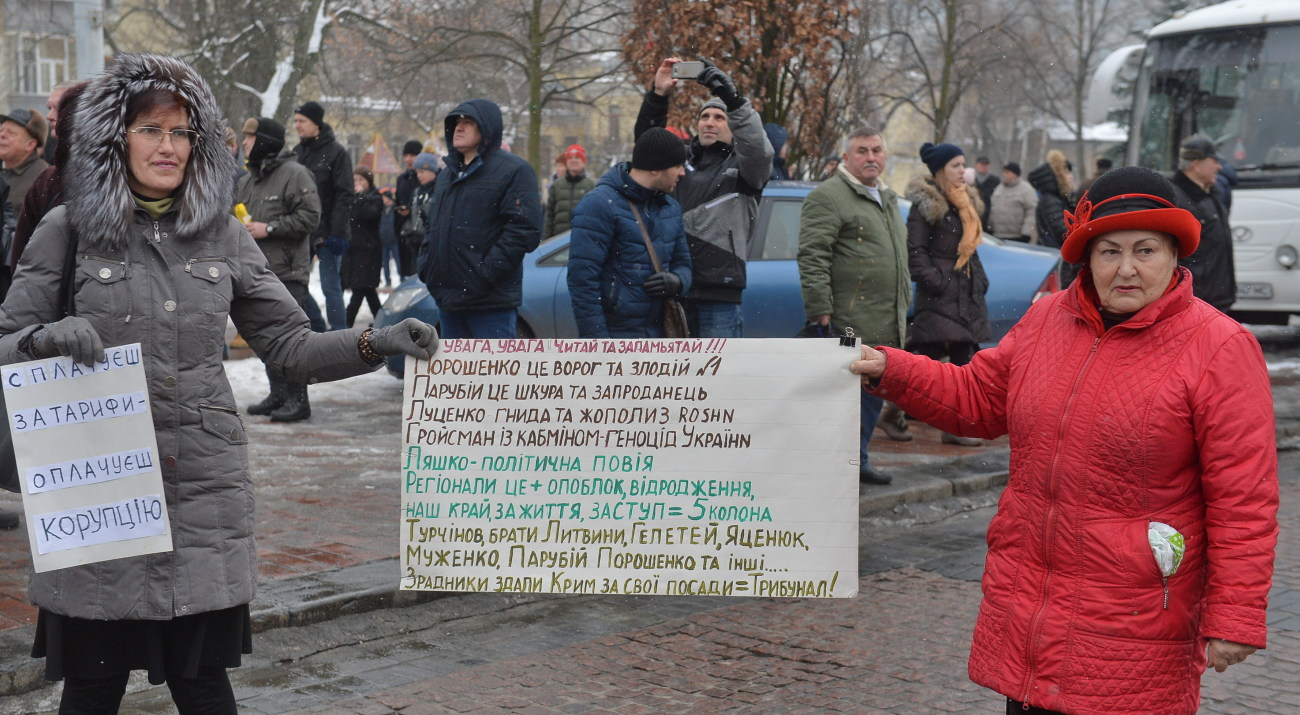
x=1240, y=87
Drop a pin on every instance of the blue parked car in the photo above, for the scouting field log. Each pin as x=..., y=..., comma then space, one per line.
x=773, y=304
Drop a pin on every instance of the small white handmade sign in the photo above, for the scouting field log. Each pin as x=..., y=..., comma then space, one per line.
x=87, y=459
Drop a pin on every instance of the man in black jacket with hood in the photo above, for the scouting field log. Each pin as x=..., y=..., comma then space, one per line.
x=484, y=216
x=330, y=164
x=729, y=163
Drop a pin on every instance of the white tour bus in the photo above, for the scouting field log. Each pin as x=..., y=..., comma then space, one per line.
x=1232, y=72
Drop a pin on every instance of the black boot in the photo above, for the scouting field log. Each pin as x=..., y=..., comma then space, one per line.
x=8, y=519
x=295, y=405
x=273, y=400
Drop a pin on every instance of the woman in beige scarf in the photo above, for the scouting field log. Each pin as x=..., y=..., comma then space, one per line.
x=943, y=232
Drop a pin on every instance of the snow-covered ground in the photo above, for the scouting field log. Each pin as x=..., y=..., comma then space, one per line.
x=248, y=377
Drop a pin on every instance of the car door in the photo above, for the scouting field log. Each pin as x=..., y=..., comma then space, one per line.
x=772, y=305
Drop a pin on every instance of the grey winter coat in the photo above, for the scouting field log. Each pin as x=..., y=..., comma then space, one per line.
x=1012, y=213
x=168, y=284
x=281, y=192
x=950, y=304
x=717, y=229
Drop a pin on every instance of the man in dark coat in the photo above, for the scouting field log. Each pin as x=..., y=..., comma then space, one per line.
x=729, y=163
x=1214, y=277
x=283, y=212
x=407, y=183
x=985, y=183
x=329, y=162
x=615, y=289
x=485, y=215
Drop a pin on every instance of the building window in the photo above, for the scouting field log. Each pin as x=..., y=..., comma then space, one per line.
x=42, y=63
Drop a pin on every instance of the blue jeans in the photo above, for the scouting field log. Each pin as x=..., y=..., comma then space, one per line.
x=391, y=258
x=332, y=286
x=480, y=324
x=300, y=293
x=871, y=406
x=709, y=319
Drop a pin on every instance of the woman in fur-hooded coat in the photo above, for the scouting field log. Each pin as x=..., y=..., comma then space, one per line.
x=1055, y=186
x=160, y=261
x=951, y=317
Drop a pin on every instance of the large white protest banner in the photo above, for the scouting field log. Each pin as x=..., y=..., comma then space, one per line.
x=87, y=459
x=667, y=467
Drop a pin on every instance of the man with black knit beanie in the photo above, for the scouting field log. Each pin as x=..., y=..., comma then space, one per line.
x=728, y=164
x=615, y=289
x=330, y=164
x=283, y=210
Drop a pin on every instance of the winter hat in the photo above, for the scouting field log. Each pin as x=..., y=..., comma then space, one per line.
x=1196, y=147
x=658, y=149
x=937, y=156
x=269, y=137
x=412, y=147
x=312, y=111
x=1130, y=198
x=714, y=103
x=1012, y=167
x=575, y=150
x=33, y=122
x=426, y=161
x=982, y=160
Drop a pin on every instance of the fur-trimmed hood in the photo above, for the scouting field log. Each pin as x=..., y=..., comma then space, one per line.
x=931, y=203
x=100, y=206
x=1053, y=176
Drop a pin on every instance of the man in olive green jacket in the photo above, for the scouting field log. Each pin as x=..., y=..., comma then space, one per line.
x=853, y=261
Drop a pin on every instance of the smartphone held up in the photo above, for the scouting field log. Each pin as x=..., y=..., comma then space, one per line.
x=689, y=69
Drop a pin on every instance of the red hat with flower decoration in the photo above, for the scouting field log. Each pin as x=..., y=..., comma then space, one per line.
x=1131, y=198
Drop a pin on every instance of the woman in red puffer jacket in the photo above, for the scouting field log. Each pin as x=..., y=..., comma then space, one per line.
x=1128, y=402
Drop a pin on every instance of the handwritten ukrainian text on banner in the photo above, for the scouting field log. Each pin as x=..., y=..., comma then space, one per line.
x=87, y=459
x=665, y=467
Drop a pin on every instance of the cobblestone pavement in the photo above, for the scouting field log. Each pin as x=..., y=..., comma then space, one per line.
x=899, y=646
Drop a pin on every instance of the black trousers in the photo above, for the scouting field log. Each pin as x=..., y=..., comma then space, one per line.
x=370, y=296
x=958, y=353
x=207, y=694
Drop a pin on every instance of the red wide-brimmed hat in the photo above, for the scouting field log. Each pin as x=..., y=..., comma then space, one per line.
x=1131, y=198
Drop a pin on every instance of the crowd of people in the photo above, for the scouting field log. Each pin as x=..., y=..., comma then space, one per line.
x=144, y=186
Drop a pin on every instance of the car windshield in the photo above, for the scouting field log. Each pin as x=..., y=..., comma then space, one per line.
x=1240, y=87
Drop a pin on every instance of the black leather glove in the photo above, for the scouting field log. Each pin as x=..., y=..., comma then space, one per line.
x=409, y=337
x=664, y=284
x=73, y=337
x=720, y=84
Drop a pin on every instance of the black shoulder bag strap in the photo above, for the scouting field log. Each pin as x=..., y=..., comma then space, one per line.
x=645, y=235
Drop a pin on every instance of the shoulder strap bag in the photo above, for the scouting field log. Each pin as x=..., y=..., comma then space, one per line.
x=673, y=323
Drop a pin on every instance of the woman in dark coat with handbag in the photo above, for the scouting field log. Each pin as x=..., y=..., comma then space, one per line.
x=365, y=254
x=943, y=231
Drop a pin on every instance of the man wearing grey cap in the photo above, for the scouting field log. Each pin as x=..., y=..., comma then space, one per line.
x=728, y=164
x=22, y=135
x=1214, y=277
